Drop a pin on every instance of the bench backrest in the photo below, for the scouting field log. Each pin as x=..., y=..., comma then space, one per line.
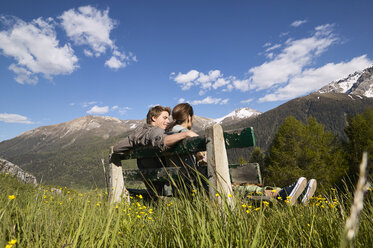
x=239, y=138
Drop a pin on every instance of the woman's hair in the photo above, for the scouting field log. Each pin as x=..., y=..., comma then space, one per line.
x=180, y=114
x=155, y=112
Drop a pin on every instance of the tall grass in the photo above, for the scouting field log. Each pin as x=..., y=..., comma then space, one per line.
x=38, y=217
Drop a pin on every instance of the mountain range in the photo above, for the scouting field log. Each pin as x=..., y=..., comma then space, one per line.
x=70, y=153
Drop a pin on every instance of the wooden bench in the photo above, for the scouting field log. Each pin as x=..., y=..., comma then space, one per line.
x=220, y=175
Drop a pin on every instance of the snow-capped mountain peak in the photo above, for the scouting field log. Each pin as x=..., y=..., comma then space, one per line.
x=358, y=83
x=241, y=113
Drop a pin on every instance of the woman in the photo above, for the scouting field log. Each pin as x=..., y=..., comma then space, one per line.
x=182, y=121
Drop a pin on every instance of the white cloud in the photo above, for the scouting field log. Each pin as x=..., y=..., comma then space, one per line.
x=247, y=100
x=181, y=100
x=89, y=26
x=220, y=83
x=242, y=85
x=123, y=110
x=35, y=48
x=214, y=79
x=88, y=53
x=92, y=27
x=114, y=63
x=14, y=118
x=292, y=59
x=210, y=100
x=273, y=47
x=225, y=101
x=98, y=110
x=185, y=80
x=298, y=23
x=314, y=78
x=87, y=104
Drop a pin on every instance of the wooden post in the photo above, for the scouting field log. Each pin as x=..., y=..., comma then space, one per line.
x=217, y=163
x=117, y=188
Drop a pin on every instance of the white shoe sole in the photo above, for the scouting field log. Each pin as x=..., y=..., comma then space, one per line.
x=298, y=189
x=312, y=185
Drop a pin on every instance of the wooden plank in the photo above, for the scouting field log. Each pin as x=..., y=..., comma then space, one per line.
x=217, y=164
x=245, y=174
x=117, y=188
x=233, y=139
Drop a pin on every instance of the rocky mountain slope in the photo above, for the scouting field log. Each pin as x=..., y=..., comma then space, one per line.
x=7, y=167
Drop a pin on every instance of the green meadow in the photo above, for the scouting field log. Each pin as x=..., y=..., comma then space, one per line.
x=42, y=217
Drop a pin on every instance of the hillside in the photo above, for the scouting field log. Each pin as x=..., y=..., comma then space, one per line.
x=329, y=109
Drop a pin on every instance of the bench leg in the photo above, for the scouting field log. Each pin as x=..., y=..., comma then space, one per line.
x=117, y=188
x=217, y=163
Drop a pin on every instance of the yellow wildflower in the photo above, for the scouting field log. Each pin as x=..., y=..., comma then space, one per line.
x=248, y=211
x=217, y=195
x=274, y=191
x=229, y=195
x=12, y=242
x=266, y=203
x=257, y=209
x=138, y=216
x=244, y=205
x=11, y=197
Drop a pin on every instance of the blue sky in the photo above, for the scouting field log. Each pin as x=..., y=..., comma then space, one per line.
x=61, y=60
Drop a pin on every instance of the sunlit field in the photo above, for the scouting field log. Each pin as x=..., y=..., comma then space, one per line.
x=43, y=217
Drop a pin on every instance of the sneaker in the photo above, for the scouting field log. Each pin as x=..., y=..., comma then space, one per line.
x=308, y=192
x=293, y=191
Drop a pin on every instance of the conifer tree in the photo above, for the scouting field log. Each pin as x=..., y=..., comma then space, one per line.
x=360, y=138
x=305, y=150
